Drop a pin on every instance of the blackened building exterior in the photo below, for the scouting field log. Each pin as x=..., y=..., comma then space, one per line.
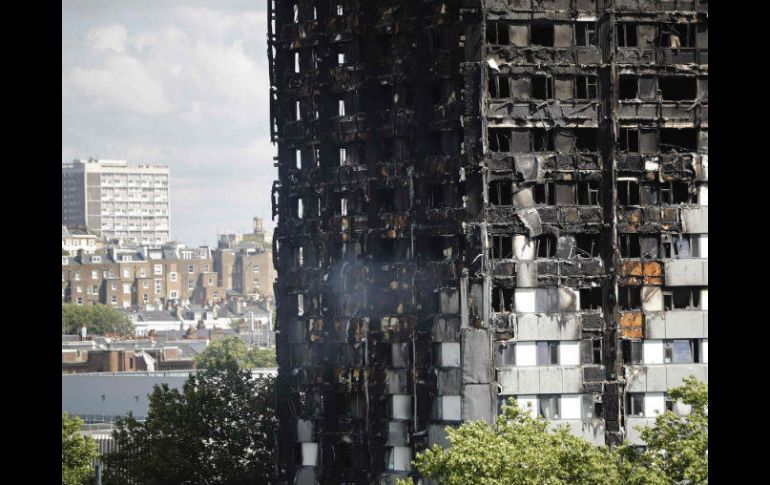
x=480, y=200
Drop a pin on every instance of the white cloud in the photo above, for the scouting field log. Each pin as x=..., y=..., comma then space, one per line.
x=122, y=82
x=107, y=38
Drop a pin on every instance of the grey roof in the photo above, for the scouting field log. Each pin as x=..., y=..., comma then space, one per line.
x=156, y=316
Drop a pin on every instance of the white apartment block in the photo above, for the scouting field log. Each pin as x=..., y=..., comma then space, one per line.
x=116, y=200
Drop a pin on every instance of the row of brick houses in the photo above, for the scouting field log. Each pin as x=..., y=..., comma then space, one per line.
x=147, y=278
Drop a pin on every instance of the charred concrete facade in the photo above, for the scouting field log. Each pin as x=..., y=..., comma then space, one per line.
x=475, y=203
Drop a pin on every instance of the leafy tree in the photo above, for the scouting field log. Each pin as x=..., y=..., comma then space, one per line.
x=101, y=320
x=77, y=452
x=521, y=450
x=218, y=430
x=64, y=252
x=262, y=357
x=228, y=350
x=677, y=446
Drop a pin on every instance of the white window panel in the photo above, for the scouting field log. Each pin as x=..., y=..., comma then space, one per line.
x=524, y=300
x=401, y=406
x=571, y=406
x=569, y=353
x=450, y=408
x=654, y=404
x=309, y=454
x=703, y=245
x=704, y=299
x=652, y=352
x=704, y=351
x=523, y=247
x=449, y=355
x=526, y=354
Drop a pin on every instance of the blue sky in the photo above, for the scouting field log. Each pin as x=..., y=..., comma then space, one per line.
x=182, y=83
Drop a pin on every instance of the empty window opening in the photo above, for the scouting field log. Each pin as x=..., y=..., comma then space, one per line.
x=297, y=111
x=343, y=457
x=585, y=34
x=343, y=158
x=635, y=404
x=298, y=160
x=497, y=33
x=548, y=406
x=585, y=139
x=630, y=297
x=502, y=299
x=542, y=86
x=682, y=298
x=680, y=245
x=596, y=351
x=499, y=140
x=296, y=62
x=343, y=206
x=629, y=246
x=587, y=87
x=501, y=246
x=340, y=9
x=675, y=193
x=545, y=193
x=631, y=351
x=678, y=88
x=681, y=351
x=436, y=197
x=340, y=58
x=341, y=107
x=499, y=86
x=546, y=246
x=543, y=140
x=507, y=355
x=548, y=352
x=628, y=140
x=591, y=298
x=541, y=34
x=628, y=86
x=300, y=256
x=628, y=192
x=677, y=35
x=588, y=193
x=586, y=245
x=386, y=199
x=679, y=139
x=500, y=192
x=626, y=34
x=295, y=17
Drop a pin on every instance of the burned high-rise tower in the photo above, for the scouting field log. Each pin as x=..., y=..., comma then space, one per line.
x=480, y=199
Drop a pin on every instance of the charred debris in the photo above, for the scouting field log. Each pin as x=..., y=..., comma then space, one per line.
x=480, y=199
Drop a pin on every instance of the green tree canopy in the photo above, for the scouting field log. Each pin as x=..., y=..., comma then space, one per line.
x=220, y=353
x=521, y=449
x=218, y=430
x=77, y=452
x=101, y=320
x=677, y=446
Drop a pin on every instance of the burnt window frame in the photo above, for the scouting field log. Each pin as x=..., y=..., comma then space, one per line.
x=500, y=296
x=549, y=87
x=506, y=136
x=595, y=246
x=629, y=297
x=497, y=246
x=545, y=245
x=629, y=243
x=624, y=142
x=498, y=187
x=588, y=193
x=587, y=81
x=633, y=197
x=495, y=85
x=546, y=191
x=547, y=353
x=588, y=32
x=622, y=33
x=496, y=26
x=541, y=24
x=672, y=301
